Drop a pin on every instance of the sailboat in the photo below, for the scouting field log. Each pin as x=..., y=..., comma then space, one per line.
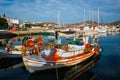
x=100, y=28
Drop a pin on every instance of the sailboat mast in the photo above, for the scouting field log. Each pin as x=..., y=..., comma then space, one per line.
x=92, y=18
x=98, y=16
x=58, y=17
x=84, y=15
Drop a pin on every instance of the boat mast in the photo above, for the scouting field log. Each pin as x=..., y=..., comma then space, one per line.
x=92, y=18
x=58, y=17
x=84, y=16
x=98, y=16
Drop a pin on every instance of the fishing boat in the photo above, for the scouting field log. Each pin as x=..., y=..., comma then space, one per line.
x=12, y=49
x=36, y=58
x=79, y=71
x=14, y=52
x=10, y=58
x=10, y=55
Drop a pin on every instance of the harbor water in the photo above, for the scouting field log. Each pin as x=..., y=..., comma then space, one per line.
x=107, y=67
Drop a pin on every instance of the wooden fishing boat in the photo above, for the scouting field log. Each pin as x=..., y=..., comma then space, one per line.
x=69, y=73
x=14, y=52
x=53, y=57
x=10, y=58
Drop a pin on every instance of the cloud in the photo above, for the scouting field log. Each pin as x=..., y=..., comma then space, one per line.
x=42, y=10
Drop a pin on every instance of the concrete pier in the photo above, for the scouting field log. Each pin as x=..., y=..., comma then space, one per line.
x=36, y=31
x=29, y=32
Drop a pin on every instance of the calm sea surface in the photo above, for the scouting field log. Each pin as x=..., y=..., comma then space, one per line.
x=106, y=68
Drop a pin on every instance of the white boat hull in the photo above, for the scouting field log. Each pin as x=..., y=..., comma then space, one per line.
x=39, y=64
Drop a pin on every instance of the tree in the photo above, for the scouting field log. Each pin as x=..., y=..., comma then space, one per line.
x=28, y=25
x=3, y=23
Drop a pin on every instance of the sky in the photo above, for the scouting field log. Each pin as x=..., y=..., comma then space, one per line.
x=70, y=11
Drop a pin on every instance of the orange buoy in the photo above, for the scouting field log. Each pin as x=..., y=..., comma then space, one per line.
x=40, y=41
x=30, y=43
x=88, y=45
x=96, y=52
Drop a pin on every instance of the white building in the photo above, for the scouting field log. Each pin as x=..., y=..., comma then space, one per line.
x=12, y=21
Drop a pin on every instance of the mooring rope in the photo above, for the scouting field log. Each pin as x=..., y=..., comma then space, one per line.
x=57, y=72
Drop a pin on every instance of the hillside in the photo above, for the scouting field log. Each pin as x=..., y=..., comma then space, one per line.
x=112, y=23
x=115, y=23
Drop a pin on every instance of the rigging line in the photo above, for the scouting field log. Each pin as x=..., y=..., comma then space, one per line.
x=56, y=72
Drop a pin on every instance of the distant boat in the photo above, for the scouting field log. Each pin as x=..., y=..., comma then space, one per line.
x=67, y=33
x=100, y=28
x=52, y=58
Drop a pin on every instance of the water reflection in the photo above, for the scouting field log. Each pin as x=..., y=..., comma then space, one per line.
x=71, y=73
x=106, y=69
x=114, y=32
x=102, y=34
